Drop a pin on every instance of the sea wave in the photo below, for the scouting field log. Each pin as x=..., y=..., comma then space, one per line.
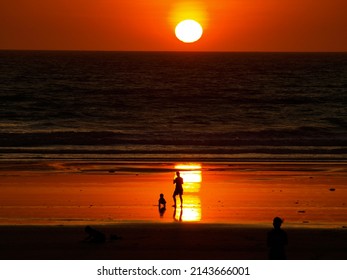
x=213, y=105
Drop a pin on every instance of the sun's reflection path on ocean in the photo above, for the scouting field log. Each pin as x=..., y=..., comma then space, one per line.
x=192, y=177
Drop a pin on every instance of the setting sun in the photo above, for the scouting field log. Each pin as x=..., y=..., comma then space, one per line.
x=188, y=31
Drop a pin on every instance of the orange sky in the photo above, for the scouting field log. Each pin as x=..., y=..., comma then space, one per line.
x=148, y=25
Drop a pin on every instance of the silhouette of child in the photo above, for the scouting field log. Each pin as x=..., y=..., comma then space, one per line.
x=94, y=236
x=161, y=205
x=277, y=240
x=161, y=202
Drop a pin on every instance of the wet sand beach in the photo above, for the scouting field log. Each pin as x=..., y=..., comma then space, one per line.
x=227, y=210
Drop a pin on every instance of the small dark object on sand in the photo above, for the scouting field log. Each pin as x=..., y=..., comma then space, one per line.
x=94, y=236
x=332, y=189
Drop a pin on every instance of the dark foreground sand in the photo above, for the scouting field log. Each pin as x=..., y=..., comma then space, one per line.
x=167, y=241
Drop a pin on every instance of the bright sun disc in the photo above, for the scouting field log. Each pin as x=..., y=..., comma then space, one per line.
x=188, y=31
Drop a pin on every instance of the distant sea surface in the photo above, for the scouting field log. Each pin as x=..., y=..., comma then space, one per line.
x=173, y=106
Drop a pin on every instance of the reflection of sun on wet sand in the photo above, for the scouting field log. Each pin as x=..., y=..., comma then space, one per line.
x=191, y=210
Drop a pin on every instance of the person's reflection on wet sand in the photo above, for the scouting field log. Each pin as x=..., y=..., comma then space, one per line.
x=180, y=217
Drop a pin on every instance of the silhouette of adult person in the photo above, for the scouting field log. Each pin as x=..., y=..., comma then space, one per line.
x=178, y=181
x=277, y=240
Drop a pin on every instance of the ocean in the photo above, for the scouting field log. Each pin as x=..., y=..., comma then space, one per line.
x=173, y=106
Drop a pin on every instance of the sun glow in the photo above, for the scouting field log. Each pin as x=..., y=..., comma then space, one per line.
x=191, y=212
x=188, y=31
x=191, y=174
x=189, y=166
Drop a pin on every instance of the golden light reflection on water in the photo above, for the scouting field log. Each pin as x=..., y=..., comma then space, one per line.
x=191, y=210
x=192, y=177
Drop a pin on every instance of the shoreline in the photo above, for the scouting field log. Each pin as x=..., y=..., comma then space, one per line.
x=80, y=165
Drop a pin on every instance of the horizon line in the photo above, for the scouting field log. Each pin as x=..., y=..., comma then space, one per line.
x=169, y=51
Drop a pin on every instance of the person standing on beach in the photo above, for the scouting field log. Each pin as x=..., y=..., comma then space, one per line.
x=178, y=181
x=277, y=240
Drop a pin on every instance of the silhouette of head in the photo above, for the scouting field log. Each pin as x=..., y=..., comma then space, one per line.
x=178, y=173
x=161, y=195
x=277, y=222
